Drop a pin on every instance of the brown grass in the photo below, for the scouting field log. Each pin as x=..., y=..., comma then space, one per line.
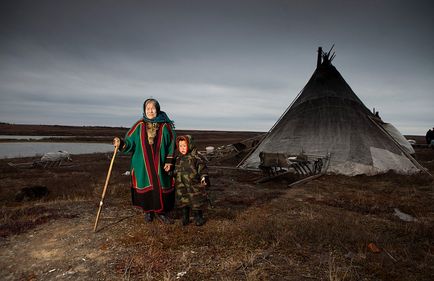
x=18, y=220
x=317, y=231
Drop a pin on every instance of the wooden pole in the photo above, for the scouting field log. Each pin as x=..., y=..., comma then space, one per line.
x=318, y=59
x=306, y=180
x=105, y=189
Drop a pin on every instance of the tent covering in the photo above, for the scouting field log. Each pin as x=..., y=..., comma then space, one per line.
x=328, y=117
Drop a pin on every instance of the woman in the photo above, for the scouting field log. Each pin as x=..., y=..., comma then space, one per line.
x=151, y=140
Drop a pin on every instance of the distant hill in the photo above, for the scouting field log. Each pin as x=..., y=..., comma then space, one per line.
x=59, y=130
x=202, y=138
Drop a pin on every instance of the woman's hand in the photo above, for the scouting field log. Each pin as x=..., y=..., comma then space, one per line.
x=116, y=142
x=167, y=167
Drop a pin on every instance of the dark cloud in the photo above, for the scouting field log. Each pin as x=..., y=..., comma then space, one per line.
x=213, y=64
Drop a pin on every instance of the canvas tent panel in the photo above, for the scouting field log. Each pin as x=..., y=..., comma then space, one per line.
x=384, y=160
x=394, y=133
x=330, y=84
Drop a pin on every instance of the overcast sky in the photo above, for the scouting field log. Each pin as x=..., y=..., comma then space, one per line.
x=221, y=64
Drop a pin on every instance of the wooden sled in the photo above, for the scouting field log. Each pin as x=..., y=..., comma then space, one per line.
x=276, y=165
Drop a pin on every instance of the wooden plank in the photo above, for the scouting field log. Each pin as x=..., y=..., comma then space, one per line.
x=272, y=177
x=305, y=180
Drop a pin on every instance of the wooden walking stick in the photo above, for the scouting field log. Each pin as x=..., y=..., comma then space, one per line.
x=105, y=188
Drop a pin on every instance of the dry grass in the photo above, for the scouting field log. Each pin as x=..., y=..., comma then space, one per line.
x=288, y=240
x=317, y=231
x=18, y=220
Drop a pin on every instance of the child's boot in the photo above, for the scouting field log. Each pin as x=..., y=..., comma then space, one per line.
x=198, y=217
x=185, y=215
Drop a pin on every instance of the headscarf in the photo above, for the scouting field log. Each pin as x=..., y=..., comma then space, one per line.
x=161, y=115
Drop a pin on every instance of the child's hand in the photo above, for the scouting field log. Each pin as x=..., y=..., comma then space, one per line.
x=203, y=181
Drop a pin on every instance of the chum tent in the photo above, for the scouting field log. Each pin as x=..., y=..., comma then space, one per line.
x=327, y=118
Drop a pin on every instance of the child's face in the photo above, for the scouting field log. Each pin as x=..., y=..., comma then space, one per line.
x=182, y=146
x=151, y=110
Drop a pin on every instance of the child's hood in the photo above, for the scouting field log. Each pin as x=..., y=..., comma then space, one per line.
x=191, y=144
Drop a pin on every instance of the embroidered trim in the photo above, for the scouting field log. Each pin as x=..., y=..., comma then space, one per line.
x=151, y=130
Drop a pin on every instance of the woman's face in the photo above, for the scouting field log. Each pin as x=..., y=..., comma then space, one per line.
x=150, y=110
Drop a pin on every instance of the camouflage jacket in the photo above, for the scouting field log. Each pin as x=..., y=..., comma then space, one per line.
x=189, y=170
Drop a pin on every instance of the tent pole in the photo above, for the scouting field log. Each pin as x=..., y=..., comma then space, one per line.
x=318, y=60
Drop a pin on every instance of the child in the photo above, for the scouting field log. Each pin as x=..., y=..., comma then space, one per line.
x=191, y=178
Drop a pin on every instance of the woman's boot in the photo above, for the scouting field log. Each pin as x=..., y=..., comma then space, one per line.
x=198, y=217
x=185, y=215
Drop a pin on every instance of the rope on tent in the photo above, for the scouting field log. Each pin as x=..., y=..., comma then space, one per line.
x=275, y=124
x=287, y=109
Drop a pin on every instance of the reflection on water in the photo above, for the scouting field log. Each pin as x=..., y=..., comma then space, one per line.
x=28, y=149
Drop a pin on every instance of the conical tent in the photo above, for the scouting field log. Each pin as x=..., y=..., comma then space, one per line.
x=328, y=118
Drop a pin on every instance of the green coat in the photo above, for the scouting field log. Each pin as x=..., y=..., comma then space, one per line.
x=150, y=183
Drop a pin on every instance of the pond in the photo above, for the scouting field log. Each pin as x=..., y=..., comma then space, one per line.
x=29, y=149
